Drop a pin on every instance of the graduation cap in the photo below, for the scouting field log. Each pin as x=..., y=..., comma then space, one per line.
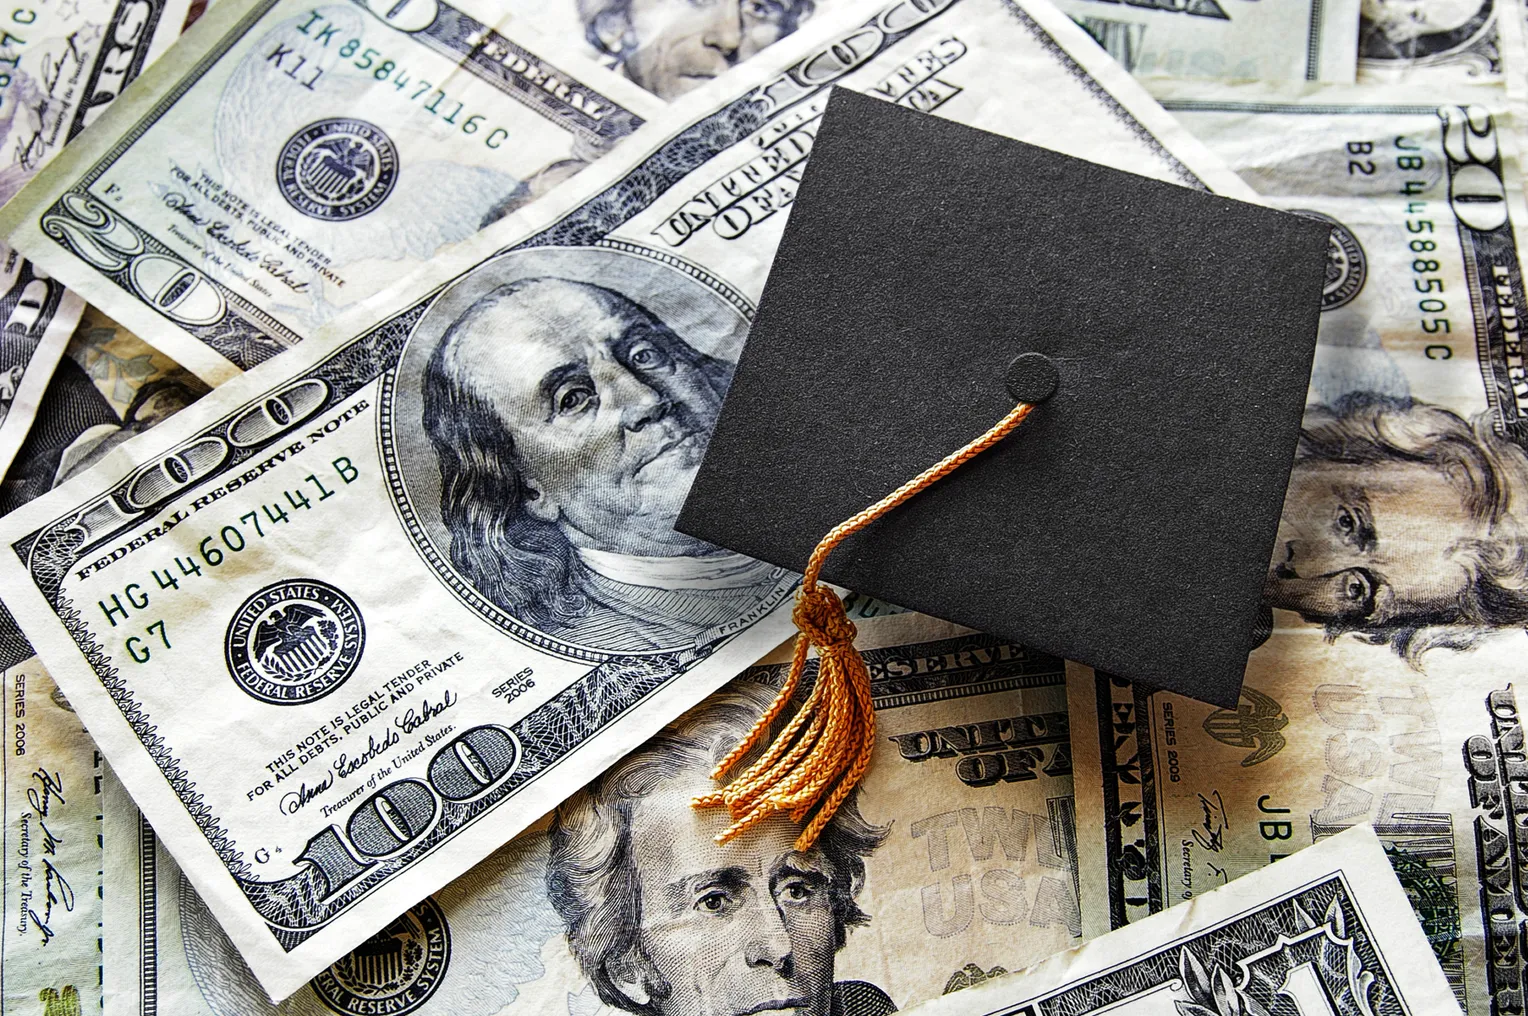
x=930, y=277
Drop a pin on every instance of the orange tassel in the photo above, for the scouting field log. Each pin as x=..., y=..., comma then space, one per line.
x=824, y=750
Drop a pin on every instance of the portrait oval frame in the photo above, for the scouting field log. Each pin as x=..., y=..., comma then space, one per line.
x=705, y=312
x=1431, y=47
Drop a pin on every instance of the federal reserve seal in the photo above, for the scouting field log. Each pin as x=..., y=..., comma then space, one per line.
x=1346, y=264
x=294, y=641
x=337, y=169
x=393, y=972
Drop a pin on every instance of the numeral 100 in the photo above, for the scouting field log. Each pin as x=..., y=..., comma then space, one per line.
x=405, y=810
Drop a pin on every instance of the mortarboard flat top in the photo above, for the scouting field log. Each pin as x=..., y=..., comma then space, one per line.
x=1129, y=522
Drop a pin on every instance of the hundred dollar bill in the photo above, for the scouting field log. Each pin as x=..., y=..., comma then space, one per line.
x=1436, y=42
x=61, y=65
x=289, y=159
x=1326, y=932
x=668, y=47
x=423, y=572
x=952, y=866
x=1312, y=40
x=108, y=385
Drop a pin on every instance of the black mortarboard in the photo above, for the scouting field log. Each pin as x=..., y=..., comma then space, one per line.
x=1128, y=524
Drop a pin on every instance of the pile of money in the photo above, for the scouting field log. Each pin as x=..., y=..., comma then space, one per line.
x=356, y=360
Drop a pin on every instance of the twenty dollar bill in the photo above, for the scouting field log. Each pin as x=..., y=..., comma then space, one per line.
x=1190, y=796
x=1417, y=404
x=289, y=160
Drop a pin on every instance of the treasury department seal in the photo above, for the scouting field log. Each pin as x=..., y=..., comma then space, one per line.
x=294, y=641
x=393, y=972
x=337, y=169
x=1347, y=266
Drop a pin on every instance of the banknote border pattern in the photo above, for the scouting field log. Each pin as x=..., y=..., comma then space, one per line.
x=54, y=294
x=456, y=25
x=1030, y=668
x=110, y=46
x=1050, y=45
x=1493, y=765
x=1313, y=41
x=148, y=931
x=1139, y=769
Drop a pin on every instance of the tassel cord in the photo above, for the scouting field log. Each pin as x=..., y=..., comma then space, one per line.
x=930, y=476
x=823, y=752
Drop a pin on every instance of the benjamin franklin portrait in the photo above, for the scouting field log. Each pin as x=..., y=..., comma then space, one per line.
x=564, y=401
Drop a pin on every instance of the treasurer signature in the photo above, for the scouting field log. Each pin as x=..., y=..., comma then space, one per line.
x=414, y=718
x=298, y=799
